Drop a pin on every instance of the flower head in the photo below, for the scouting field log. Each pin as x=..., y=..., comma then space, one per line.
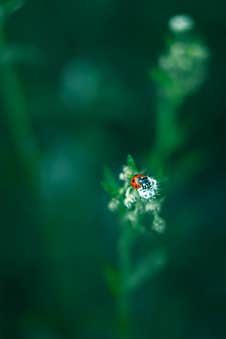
x=136, y=197
x=183, y=66
x=181, y=23
x=126, y=173
x=130, y=197
x=113, y=204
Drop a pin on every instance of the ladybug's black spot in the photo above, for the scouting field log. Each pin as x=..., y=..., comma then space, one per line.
x=133, y=180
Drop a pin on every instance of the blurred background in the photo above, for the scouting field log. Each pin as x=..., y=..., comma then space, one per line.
x=80, y=97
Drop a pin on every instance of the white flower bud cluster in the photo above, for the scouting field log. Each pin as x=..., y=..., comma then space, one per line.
x=132, y=217
x=158, y=223
x=126, y=173
x=113, y=204
x=181, y=24
x=138, y=202
x=152, y=205
x=130, y=197
x=149, y=192
x=185, y=65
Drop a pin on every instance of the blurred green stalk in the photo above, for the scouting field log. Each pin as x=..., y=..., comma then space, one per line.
x=18, y=120
x=125, y=243
x=169, y=135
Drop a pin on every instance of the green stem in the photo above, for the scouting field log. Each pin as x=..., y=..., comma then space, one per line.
x=18, y=120
x=166, y=127
x=168, y=133
x=124, y=252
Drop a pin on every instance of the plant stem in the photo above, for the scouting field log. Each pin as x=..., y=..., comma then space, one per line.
x=18, y=120
x=168, y=133
x=124, y=252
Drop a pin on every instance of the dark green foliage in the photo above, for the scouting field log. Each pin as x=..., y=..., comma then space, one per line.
x=8, y=7
x=83, y=98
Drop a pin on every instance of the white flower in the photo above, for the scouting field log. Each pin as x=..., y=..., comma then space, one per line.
x=131, y=217
x=148, y=191
x=158, y=223
x=113, y=204
x=181, y=23
x=130, y=197
x=126, y=173
x=152, y=205
x=185, y=64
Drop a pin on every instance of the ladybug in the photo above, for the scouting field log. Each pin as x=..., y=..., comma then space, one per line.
x=136, y=181
x=145, y=186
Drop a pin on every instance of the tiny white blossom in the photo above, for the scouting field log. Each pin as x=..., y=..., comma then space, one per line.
x=185, y=64
x=181, y=23
x=121, y=176
x=148, y=191
x=152, y=205
x=126, y=173
x=131, y=216
x=130, y=197
x=113, y=204
x=158, y=223
x=121, y=190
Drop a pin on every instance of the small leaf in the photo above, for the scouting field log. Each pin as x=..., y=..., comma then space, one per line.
x=109, y=183
x=131, y=163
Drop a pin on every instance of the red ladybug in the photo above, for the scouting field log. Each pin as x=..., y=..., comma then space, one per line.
x=146, y=187
x=136, y=181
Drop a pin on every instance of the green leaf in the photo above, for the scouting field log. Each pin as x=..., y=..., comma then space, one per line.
x=131, y=163
x=109, y=183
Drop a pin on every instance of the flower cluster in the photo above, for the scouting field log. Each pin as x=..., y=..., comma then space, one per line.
x=147, y=191
x=182, y=68
x=134, y=204
x=181, y=24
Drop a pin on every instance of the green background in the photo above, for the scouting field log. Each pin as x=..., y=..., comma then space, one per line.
x=84, y=68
